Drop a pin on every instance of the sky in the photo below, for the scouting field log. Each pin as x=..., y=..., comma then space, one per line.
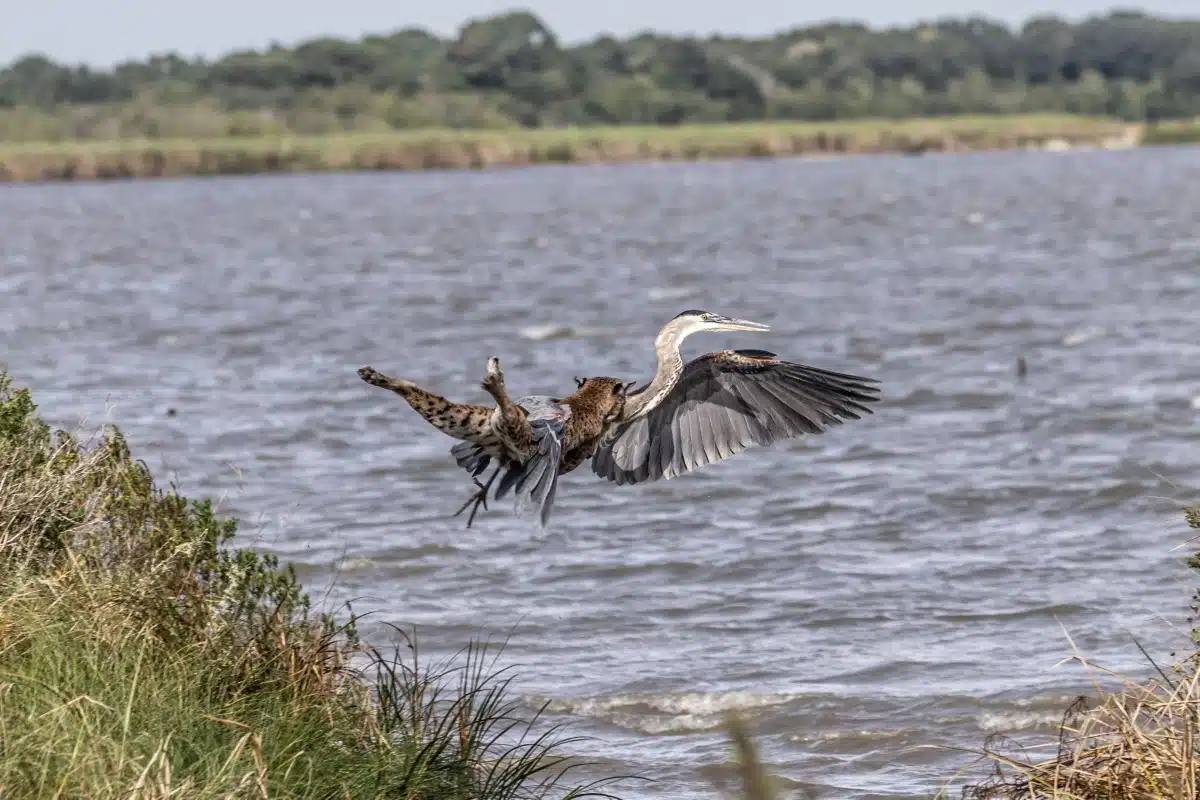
x=103, y=33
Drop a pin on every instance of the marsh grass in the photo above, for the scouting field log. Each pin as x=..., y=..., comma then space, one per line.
x=142, y=656
x=449, y=149
x=1171, y=133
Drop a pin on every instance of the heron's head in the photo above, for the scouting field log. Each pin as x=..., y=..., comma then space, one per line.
x=696, y=321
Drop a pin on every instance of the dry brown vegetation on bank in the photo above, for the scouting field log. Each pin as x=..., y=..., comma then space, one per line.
x=1134, y=744
x=1138, y=742
x=439, y=149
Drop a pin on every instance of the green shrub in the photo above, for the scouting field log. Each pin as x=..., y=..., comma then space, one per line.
x=142, y=656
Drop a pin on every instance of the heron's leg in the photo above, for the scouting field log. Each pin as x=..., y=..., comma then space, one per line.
x=479, y=498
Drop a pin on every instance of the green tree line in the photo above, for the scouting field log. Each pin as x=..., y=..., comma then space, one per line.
x=512, y=70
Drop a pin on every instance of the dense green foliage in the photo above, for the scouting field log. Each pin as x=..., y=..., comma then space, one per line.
x=141, y=655
x=511, y=70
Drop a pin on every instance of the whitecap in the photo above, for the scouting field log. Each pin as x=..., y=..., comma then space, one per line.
x=670, y=292
x=1076, y=338
x=669, y=713
x=853, y=736
x=1007, y=721
x=541, y=333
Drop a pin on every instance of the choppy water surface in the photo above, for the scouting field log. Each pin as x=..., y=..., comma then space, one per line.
x=903, y=581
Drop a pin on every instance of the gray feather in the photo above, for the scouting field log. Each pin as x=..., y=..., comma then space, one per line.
x=724, y=403
x=471, y=457
x=534, y=482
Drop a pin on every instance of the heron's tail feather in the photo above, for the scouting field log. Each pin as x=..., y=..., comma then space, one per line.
x=535, y=481
x=471, y=457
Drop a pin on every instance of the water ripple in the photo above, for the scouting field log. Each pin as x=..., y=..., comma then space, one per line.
x=908, y=579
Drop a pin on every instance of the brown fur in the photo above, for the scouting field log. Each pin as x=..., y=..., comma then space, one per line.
x=503, y=432
x=596, y=404
x=465, y=421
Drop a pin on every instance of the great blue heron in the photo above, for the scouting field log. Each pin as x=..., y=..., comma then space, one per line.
x=709, y=409
x=720, y=404
x=525, y=437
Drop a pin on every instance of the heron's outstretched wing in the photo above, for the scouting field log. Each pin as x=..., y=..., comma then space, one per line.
x=724, y=403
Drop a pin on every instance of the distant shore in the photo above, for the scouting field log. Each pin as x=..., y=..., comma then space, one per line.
x=447, y=149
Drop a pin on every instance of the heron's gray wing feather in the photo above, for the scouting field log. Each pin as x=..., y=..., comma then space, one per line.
x=471, y=457
x=535, y=480
x=474, y=458
x=724, y=403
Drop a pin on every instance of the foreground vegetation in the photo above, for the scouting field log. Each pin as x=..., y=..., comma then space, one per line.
x=511, y=70
x=142, y=656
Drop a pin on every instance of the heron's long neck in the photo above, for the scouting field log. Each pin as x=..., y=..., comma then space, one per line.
x=670, y=366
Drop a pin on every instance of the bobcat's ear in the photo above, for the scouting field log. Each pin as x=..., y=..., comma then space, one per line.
x=618, y=388
x=579, y=382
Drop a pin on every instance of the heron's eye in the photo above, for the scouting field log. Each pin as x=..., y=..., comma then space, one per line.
x=706, y=317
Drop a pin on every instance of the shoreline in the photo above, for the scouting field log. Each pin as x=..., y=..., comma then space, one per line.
x=100, y=160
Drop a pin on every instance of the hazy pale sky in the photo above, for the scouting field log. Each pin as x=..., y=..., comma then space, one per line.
x=102, y=33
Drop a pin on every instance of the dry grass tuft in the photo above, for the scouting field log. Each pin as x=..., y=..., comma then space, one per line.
x=1137, y=742
x=1134, y=744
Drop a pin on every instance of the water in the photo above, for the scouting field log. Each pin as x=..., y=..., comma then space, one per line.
x=906, y=580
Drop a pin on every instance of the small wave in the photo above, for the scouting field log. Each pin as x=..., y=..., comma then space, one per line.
x=1196, y=402
x=850, y=738
x=1008, y=721
x=670, y=292
x=1082, y=336
x=947, y=399
x=1048, y=611
x=548, y=332
x=542, y=333
x=669, y=713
